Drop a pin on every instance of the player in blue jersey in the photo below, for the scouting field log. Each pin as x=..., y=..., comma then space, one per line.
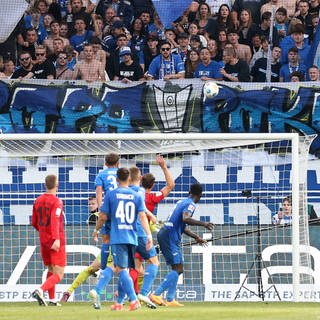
x=169, y=238
x=106, y=181
x=122, y=207
x=148, y=255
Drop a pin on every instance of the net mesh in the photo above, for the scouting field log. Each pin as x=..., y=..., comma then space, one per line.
x=243, y=189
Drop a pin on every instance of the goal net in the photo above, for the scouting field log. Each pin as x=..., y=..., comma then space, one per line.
x=245, y=177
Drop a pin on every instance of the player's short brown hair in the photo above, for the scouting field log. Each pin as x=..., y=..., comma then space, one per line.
x=134, y=174
x=51, y=181
x=112, y=159
x=148, y=180
x=123, y=174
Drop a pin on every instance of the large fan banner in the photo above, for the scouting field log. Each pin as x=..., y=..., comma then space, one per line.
x=159, y=106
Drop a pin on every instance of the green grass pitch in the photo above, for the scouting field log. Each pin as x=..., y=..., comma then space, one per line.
x=191, y=311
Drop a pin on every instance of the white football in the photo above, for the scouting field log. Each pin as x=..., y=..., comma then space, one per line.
x=210, y=89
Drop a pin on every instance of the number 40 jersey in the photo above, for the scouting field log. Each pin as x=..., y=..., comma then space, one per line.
x=122, y=206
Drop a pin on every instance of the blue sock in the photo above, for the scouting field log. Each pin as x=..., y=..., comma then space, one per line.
x=172, y=288
x=105, y=277
x=127, y=285
x=171, y=277
x=121, y=292
x=104, y=255
x=149, y=276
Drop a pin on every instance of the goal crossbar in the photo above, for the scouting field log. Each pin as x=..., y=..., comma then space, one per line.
x=97, y=144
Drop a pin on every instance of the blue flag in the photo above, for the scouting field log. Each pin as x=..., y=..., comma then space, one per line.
x=314, y=54
x=170, y=10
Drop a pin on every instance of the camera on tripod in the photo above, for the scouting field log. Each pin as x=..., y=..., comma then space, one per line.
x=258, y=263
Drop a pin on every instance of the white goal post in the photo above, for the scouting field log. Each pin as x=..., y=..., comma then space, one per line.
x=268, y=166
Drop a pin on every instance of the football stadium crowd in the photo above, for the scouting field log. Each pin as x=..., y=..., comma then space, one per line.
x=125, y=40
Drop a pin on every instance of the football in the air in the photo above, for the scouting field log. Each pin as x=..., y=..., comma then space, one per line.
x=210, y=89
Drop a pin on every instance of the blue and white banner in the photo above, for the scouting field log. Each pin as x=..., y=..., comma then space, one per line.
x=160, y=106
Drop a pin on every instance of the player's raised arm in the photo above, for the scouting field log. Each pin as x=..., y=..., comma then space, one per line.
x=169, y=179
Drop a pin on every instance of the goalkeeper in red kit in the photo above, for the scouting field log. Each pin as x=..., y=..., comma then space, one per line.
x=48, y=220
